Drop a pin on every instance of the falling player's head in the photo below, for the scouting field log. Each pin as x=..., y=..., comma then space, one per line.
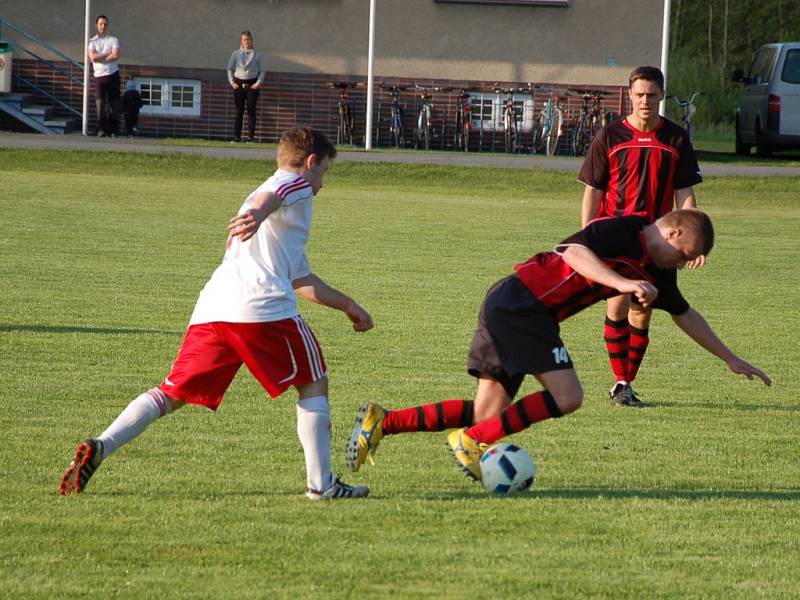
x=683, y=236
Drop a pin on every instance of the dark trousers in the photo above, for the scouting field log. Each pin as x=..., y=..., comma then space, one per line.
x=131, y=122
x=247, y=97
x=106, y=91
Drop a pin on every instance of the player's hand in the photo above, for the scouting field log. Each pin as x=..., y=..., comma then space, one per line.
x=361, y=319
x=235, y=85
x=697, y=262
x=245, y=225
x=645, y=292
x=737, y=365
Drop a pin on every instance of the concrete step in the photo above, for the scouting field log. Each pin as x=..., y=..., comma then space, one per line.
x=38, y=111
x=17, y=99
x=63, y=125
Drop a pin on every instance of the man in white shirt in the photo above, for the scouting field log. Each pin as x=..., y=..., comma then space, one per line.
x=103, y=51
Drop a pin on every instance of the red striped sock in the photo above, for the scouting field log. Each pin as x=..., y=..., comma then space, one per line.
x=617, y=337
x=520, y=415
x=438, y=416
x=640, y=339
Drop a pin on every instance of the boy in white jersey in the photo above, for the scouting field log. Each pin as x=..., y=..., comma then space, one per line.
x=247, y=314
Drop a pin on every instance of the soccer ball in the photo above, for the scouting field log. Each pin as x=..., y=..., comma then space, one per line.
x=507, y=469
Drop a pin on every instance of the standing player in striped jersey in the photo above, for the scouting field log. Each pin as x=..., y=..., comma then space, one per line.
x=247, y=314
x=518, y=332
x=643, y=164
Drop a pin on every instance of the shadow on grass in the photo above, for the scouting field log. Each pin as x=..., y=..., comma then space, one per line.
x=668, y=494
x=7, y=327
x=627, y=494
x=724, y=406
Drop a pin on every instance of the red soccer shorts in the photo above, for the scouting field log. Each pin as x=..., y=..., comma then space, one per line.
x=279, y=354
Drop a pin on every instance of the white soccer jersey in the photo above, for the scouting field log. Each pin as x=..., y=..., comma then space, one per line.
x=254, y=282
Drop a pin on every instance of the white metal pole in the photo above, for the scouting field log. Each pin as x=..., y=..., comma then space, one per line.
x=662, y=107
x=86, y=33
x=370, y=74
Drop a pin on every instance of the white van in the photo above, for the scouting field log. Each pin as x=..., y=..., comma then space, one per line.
x=769, y=109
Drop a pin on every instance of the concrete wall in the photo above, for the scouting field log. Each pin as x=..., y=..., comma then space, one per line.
x=415, y=38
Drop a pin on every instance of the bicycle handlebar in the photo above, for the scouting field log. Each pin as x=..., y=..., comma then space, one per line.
x=586, y=93
x=684, y=103
x=343, y=85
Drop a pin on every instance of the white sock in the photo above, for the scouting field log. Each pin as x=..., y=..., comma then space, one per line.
x=314, y=431
x=132, y=421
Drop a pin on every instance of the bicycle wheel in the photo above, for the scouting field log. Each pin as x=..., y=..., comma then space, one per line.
x=340, y=133
x=507, y=124
x=579, y=137
x=554, y=132
x=348, y=126
x=535, y=133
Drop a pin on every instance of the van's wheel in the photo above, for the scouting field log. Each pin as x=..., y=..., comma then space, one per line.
x=762, y=145
x=741, y=148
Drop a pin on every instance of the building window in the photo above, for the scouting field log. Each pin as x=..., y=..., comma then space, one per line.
x=488, y=110
x=169, y=97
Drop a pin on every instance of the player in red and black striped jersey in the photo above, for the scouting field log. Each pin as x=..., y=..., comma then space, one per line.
x=518, y=331
x=643, y=164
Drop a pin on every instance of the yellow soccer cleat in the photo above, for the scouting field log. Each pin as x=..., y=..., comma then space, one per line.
x=366, y=436
x=467, y=453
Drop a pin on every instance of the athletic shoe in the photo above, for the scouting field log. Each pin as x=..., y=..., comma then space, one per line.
x=633, y=399
x=467, y=453
x=366, y=436
x=338, y=490
x=619, y=394
x=622, y=394
x=88, y=457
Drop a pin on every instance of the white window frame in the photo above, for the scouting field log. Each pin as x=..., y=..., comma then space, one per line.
x=167, y=85
x=521, y=101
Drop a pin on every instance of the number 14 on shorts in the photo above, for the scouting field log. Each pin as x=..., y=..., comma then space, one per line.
x=560, y=355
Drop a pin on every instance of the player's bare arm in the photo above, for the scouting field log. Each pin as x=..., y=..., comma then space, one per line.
x=590, y=205
x=697, y=328
x=314, y=289
x=247, y=223
x=685, y=198
x=586, y=262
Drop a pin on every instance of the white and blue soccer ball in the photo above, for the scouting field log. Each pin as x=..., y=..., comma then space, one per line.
x=507, y=469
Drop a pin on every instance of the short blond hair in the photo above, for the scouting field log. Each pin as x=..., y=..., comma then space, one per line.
x=298, y=143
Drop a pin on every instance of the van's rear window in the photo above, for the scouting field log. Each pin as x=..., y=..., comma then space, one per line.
x=791, y=67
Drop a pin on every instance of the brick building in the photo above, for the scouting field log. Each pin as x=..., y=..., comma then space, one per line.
x=177, y=52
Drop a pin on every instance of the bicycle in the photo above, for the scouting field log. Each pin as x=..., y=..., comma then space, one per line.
x=511, y=119
x=689, y=109
x=591, y=118
x=463, y=121
x=548, y=127
x=424, y=130
x=396, y=127
x=344, y=122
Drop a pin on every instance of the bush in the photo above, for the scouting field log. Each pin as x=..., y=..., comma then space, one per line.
x=689, y=73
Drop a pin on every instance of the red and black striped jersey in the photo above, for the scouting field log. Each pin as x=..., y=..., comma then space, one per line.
x=639, y=171
x=619, y=243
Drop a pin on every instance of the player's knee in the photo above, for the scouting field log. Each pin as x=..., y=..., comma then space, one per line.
x=570, y=399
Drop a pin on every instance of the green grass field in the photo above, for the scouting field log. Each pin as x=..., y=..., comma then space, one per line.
x=694, y=496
